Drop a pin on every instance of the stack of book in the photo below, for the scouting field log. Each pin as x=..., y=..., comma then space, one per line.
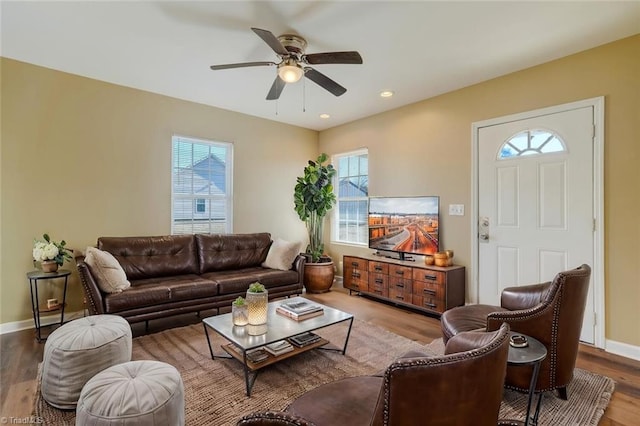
x=300, y=310
x=257, y=355
x=304, y=339
x=278, y=348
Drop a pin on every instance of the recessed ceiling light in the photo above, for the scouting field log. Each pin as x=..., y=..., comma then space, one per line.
x=324, y=116
x=386, y=94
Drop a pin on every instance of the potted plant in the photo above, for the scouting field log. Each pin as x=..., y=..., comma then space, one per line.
x=313, y=197
x=257, y=300
x=239, y=312
x=50, y=254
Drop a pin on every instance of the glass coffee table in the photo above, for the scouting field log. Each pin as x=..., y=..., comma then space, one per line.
x=278, y=327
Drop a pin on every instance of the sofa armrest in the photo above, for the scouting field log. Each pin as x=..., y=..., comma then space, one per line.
x=298, y=265
x=272, y=418
x=93, y=295
x=524, y=297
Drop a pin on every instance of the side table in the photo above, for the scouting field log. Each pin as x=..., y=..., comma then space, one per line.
x=34, y=278
x=531, y=355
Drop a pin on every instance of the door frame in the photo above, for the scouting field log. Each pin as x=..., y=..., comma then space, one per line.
x=597, y=269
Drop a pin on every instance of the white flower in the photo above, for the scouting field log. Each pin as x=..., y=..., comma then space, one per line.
x=44, y=251
x=50, y=251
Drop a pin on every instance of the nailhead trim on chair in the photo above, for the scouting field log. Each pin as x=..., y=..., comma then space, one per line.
x=448, y=359
x=555, y=292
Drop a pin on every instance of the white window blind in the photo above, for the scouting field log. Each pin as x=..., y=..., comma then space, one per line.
x=201, y=187
x=352, y=193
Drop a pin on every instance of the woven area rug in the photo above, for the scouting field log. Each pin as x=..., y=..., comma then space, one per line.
x=214, y=389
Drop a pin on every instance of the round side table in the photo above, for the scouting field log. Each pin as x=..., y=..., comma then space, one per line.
x=34, y=278
x=533, y=354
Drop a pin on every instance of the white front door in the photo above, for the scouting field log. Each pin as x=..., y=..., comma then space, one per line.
x=535, y=203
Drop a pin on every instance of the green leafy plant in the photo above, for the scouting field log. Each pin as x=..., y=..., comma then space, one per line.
x=239, y=301
x=50, y=250
x=313, y=198
x=256, y=288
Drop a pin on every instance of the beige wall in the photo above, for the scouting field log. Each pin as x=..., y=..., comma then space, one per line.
x=425, y=149
x=81, y=159
x=107, y=149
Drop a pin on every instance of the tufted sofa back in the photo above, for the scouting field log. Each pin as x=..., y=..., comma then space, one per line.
x=231, y=251
x=149, y=257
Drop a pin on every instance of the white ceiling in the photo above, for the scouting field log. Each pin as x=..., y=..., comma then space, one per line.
x=417, y=49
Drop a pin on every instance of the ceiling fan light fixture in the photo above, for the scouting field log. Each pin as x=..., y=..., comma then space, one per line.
x=290, y=73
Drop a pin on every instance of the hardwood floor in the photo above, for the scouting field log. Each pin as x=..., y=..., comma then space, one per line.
x=20, y=355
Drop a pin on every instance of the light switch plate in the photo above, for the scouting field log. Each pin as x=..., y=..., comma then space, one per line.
x=456, y=209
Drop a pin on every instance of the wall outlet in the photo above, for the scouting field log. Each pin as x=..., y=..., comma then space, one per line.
x=52, y=303
x=456, y=209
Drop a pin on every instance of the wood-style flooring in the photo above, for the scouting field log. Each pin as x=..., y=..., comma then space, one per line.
x=20, y=355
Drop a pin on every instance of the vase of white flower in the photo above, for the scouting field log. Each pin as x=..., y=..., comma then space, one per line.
x=50, y=254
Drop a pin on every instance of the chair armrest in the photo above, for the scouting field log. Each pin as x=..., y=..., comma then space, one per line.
x=535, y=322
x=272, y=418
x=524, y=297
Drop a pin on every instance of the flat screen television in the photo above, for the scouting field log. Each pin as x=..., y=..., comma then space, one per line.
x=399, y=226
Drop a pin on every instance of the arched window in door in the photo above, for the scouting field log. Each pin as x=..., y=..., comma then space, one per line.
x=531, y=142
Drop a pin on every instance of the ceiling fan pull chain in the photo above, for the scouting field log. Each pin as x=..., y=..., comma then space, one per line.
x=304, y=96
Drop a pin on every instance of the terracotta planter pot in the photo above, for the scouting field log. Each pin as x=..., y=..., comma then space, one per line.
x=318, y=277
x=49, y=266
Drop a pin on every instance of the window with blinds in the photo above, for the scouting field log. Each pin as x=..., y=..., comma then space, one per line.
x=352, y=193
x=201, y=190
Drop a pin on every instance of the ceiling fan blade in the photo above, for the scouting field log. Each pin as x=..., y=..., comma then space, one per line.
x=324, y=81
x=276, y=89
x=241, y=65
x=351, y=57
x=271, y=40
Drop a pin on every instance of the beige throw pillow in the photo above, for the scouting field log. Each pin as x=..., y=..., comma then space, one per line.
x=107, y=271
x=281, y=255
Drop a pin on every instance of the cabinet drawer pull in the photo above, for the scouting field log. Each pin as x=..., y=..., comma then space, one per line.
x=401, y=285
x=430, y=277
x=377, y=291
x=400, y=297
x=356, y=275
x=431, y=305
x=379, y=281
x=399, y=272
x=431, y=292
x=356, y=264
x=378, y=268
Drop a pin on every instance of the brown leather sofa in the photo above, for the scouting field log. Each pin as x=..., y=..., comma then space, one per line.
x=462, y=387
x=550, y=312
x=178, y=274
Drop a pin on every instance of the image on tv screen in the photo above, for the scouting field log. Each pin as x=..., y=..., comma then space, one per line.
x=404, y=224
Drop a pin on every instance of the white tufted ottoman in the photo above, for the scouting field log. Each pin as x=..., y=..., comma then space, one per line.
x=79, y=350
x=134, y=393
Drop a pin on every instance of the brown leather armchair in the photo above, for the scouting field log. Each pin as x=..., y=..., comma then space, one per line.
x=551, y=312
x=462, y=387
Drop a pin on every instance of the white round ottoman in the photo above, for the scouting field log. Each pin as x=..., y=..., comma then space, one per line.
x=77, y=351
x=134, y=393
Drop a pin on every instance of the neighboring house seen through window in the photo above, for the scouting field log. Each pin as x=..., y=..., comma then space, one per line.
x=201, y=190
x=352, y=192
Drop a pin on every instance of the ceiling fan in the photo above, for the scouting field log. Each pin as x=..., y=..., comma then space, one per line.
x=295, y=63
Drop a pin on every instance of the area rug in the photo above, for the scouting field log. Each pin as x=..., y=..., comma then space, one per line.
x=214, y=389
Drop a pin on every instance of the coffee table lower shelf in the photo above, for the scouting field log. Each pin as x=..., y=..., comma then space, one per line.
x=236, y=353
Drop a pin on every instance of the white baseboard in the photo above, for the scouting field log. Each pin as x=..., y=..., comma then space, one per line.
x=10, y=327
x=623, y=349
